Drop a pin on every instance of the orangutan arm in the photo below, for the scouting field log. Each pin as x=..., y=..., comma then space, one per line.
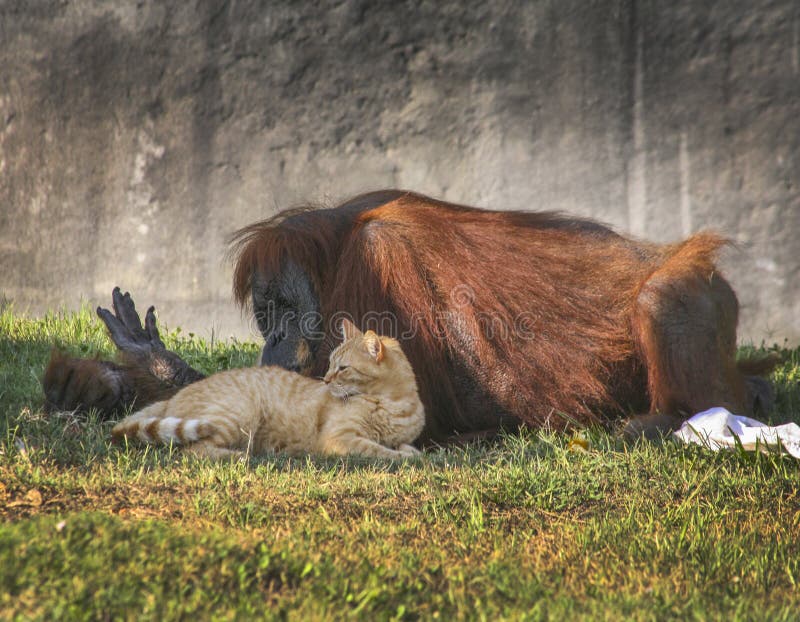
x=142, y=346
x=146, y=371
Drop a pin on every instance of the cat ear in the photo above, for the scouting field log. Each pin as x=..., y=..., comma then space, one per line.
x=374, y=345
x=349, y=330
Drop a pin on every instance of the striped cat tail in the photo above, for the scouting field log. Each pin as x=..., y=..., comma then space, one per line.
x=149, y=425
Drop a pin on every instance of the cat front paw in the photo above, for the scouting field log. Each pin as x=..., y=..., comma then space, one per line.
x=409, y=451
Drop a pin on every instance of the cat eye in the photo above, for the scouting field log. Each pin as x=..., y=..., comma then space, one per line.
x=343, y=367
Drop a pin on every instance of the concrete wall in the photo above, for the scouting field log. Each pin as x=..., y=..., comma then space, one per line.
x=135, y=135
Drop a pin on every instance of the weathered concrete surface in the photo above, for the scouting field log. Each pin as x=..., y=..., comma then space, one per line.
x=134, y=136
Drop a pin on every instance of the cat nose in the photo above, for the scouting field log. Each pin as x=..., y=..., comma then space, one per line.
x=327, y=379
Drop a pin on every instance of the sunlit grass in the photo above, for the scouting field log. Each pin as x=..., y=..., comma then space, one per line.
x=529, y=527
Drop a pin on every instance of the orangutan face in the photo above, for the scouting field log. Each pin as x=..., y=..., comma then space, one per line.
x=286, y=309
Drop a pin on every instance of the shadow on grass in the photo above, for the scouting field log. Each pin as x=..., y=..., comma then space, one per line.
x=22, y=363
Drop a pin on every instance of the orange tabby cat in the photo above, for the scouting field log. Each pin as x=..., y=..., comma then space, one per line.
x=367, y=404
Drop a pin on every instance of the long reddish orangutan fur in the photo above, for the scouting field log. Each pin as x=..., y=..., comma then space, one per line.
x=73, y=383
x=604, y=325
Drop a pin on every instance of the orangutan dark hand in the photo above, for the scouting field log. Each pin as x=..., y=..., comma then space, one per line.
x=142, y=344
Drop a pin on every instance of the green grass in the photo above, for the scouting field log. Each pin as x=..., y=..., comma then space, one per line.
x=529, y=527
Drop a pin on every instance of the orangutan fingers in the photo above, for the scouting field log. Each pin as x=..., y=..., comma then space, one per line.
x=125, y=310
x=152, y=329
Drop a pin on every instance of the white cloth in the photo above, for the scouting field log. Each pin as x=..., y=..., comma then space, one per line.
x=717, y=428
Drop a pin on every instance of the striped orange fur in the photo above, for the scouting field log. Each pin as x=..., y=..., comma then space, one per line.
x=367, y=404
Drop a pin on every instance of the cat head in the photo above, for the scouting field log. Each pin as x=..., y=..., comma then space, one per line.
x=366, y=363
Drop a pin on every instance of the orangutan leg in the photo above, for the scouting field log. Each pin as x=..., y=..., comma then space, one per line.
x=684, y=321
x=652, y=427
